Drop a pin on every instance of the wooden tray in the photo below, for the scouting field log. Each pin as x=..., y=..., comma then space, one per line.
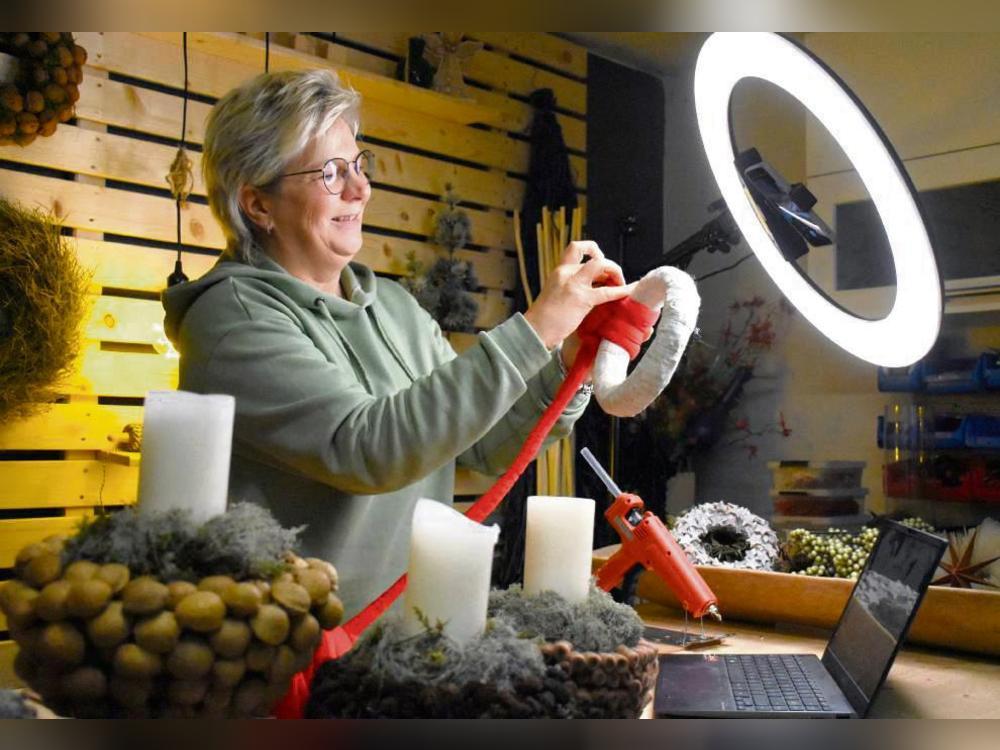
x=961, y=619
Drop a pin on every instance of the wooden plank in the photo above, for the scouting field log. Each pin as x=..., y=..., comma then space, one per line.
x=134, y=267
x=493, y=69
x=139, y=321
x=125, y=320
x=95, y=208
x=517, y=115
x=103, y=371
x=383, y=254
x=68, y=427
x=406, y=213
x=132, y=160
x=108, y=156
x=151, y=59
x=219, y=57
x=490, y=188
x=539, y=46
x=60, y=484
x=16, y=534
x=138, y=108
x=148, y=111
x=516, y=77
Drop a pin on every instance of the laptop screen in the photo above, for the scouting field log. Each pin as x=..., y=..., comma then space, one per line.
x=880, y=609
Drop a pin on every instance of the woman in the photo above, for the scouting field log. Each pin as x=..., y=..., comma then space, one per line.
x=350, y=404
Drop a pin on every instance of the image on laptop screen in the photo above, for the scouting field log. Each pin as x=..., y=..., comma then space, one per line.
x=880, y=608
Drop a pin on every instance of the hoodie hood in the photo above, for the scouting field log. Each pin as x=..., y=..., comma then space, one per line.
x=358, y=281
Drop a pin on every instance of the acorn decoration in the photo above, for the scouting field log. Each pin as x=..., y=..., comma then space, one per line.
x=103, y=639
x=46, y=87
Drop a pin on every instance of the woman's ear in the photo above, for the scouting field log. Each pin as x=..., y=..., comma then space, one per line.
x=256, y=207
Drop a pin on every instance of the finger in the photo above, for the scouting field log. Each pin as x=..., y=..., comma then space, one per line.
x=612, y=276
x=602, y=270
x=575, y=251
x=602, y=294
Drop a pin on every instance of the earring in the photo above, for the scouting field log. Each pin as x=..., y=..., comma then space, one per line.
x=270, y=227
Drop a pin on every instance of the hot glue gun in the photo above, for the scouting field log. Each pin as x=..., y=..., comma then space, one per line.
x=647, y=542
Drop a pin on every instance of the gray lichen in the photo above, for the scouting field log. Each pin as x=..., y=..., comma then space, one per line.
x=14, y=706
x=598, y=624
x=244, y=542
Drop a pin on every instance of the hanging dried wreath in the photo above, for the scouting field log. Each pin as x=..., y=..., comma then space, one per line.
x=43, y=292
x=46, y=86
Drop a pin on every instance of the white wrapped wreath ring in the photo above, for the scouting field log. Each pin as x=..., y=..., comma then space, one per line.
x=624, y=395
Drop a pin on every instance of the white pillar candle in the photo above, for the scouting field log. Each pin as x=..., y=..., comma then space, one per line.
x=559, y=546
x=451, y=559
x=187, y=442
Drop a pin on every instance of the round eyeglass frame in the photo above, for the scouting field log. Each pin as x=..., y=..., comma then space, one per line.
x=365, y=154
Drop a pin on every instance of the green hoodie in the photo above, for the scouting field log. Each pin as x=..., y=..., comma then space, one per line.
x=348, y=410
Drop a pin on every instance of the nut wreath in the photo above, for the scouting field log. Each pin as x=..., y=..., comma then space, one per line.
x=43, y=94
x=668, y=289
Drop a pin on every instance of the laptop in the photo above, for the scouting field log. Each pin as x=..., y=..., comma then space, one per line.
x=854, y=665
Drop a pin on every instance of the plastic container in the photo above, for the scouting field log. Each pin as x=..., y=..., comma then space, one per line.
x=821, y=523
x=949, y=476
x=986, y=482
x=982, y=431
x=901, y=478
x=901, y=379
x=991, y=370
x=954, y=376
x=815, y=475
x=827, y=503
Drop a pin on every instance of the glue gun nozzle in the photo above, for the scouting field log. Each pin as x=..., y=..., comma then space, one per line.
x=714, y=612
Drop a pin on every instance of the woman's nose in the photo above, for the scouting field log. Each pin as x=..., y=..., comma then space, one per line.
x=356, y=187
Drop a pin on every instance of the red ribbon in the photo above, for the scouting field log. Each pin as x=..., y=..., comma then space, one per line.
x=625, y=322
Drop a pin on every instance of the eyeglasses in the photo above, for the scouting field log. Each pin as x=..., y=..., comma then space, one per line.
x=336, y=171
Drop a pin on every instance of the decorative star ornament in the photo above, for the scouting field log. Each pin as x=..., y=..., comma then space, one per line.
x=960, y=571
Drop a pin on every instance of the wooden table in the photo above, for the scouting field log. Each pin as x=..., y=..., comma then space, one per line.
x=923, y=683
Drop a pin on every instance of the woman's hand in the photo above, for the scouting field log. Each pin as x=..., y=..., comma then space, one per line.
x=572, y=290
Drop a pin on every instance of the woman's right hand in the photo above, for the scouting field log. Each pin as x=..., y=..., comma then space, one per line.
x=573, y=289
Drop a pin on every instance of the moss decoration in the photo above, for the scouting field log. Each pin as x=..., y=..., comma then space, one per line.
x=522, y=666
x=244, y=542
x=444, y=289
x=43, y=298
x=46, y=87
x=13, y=705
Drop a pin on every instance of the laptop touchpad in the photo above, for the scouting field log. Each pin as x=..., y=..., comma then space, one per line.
x=692, y=682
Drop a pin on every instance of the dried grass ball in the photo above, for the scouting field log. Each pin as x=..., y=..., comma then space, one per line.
x=43, y=299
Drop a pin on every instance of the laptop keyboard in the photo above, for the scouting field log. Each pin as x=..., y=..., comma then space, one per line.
x=773, y=683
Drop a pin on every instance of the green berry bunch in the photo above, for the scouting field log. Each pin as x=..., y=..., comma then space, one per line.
x=835, y=553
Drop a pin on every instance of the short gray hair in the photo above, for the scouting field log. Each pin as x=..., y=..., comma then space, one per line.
x=256, y=129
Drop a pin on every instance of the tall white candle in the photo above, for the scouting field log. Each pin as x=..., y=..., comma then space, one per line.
x=559, y=546
x=451, y=559
x=187, y=442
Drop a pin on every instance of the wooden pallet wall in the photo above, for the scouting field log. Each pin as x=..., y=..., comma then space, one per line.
x=104, y=173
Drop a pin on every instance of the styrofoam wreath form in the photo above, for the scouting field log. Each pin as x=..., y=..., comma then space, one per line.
x=625, y=395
